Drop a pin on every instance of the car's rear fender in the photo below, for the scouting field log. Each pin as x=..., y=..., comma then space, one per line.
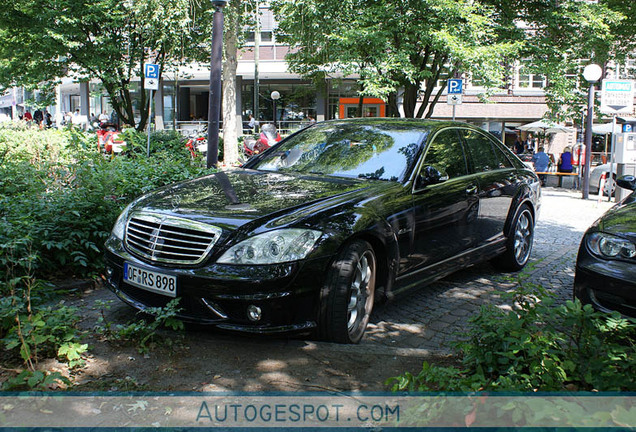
x=523, y=196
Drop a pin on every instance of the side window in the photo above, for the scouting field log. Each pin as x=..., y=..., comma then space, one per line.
x=484, y=154
x=504, y=161
x=446, y=154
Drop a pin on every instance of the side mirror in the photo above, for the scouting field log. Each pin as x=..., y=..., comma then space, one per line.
x=430, y=176
x=627, y=182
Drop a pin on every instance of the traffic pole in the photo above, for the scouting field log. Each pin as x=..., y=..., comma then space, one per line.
x=149, y=122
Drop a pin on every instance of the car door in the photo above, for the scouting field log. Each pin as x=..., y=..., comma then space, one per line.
x=497, y=179
x=445, y=207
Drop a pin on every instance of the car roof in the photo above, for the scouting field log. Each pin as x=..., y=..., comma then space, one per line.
x=418, y=123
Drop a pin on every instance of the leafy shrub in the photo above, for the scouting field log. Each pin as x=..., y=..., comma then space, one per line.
x=59, y=198
x=537, y=346
x=63, y=207
x=34, y=380
x=142, y=333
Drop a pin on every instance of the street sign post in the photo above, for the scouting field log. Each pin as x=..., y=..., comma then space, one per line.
x=617, y=96
x=454, y=91
x=454, y=99
x=151, y=81
x=455, y=86
x=151, y=75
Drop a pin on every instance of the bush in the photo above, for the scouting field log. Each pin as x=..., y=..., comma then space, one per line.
x=537, y=346
x=59, y=198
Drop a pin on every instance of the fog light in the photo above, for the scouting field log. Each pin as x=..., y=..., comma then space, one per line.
x=254, y=313
x=109, y=272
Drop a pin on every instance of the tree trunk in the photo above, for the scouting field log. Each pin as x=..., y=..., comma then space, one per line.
x=392, y=105
x=360, y=104
x=410, y=99
x=230, y=125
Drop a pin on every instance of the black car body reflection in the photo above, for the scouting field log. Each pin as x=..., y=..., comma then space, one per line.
x=307, y=235
x=606, y=264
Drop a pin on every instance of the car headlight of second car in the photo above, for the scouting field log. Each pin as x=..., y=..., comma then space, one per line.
x=611, y=247
x=273, y=247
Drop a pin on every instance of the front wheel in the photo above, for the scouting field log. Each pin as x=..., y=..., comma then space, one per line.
x=519, y=242
x=347, y=298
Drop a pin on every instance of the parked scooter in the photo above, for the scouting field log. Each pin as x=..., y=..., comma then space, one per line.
x=108, y=139
x=198, y=143
x=257, y=144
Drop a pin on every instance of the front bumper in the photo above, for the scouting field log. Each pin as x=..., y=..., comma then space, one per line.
x=286, y=294
x=608, y=285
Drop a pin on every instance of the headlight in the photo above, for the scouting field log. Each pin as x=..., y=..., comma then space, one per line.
x=272, y=247
x=609, y=246
x=120, y=225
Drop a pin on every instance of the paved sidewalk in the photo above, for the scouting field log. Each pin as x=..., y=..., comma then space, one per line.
x=434, y=316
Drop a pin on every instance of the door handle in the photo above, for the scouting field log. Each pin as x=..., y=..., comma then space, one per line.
x=471, y=190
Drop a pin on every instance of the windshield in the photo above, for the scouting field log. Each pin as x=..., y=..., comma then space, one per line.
x=381, y=151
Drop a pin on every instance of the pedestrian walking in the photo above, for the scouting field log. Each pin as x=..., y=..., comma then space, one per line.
x=48, y=119
x=38, y=117
x=252, y=124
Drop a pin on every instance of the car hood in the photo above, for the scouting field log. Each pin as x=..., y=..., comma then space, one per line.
x=233, y=198
x=620, y=219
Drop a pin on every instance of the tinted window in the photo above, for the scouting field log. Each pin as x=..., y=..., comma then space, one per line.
x=446, y=154
x=383, y=151
x=484, y=154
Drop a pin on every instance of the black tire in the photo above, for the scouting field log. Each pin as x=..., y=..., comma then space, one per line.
x=518, y=243
x=347, y=298
x=606, y=186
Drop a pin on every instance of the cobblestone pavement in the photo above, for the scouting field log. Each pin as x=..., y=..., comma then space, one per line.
x=434, y=316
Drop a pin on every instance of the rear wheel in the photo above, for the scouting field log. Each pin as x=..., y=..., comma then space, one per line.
x=606, y=186
x=347, y=299
x=519, y=242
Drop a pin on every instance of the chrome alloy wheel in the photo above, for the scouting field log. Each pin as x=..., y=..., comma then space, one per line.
x=523, y=237
x=361, y=292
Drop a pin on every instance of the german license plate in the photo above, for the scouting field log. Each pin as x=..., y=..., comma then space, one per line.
x=150, y=280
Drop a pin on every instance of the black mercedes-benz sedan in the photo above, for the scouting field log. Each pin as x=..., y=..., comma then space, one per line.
x=308, y=234
x=606, y=265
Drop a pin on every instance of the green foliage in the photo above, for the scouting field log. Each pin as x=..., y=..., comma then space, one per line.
x=394, y=45
x=537, y=346
x=104, y=39
x=142, y=333
x=35, y=380
x=59, y=197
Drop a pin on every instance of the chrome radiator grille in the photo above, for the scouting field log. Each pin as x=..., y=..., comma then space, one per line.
x=169, y=239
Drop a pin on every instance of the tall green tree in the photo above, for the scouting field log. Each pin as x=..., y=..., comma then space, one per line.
x=109, y=40
x=398, y=45
x=560, y=37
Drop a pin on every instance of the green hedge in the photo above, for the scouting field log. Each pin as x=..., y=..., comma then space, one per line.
x=537, y=346
x=59, y=197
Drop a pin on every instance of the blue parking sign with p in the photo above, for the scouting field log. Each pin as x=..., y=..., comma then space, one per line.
x=151, y=70
x=455, y=86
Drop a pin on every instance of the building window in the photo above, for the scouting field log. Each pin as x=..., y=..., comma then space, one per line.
x=267, y=37
x=529, y=80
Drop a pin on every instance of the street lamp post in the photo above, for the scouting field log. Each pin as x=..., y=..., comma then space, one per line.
x=592, y=73
x=275, y=96
x=214, y=99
